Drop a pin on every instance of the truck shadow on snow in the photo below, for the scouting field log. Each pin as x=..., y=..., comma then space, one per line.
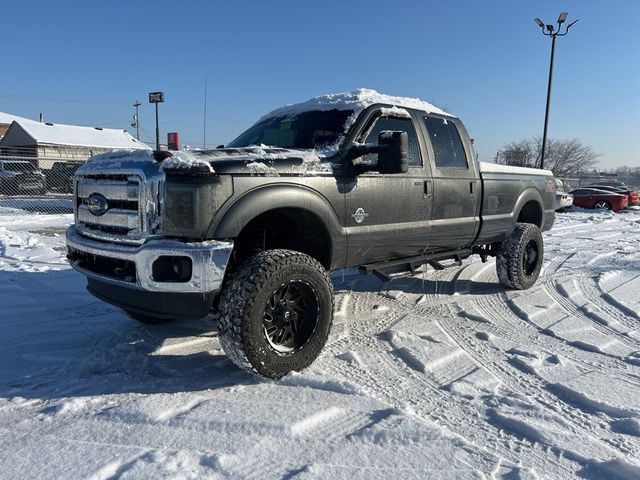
x=58, y=341
x=417, y=284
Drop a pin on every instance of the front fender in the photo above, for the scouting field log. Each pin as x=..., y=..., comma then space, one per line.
x=236, y=214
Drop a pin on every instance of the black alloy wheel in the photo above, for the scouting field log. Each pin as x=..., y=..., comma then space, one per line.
x=291, y=316
x=530, y=257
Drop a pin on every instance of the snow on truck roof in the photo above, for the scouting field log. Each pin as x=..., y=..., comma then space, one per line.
x=356, y=100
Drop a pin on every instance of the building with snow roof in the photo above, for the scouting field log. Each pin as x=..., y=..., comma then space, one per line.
x=6, y=119
x=46, y=143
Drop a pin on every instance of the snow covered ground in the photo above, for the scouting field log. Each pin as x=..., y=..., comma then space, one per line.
x=444, y=375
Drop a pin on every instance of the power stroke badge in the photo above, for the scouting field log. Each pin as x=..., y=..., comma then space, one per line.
x=360, y=215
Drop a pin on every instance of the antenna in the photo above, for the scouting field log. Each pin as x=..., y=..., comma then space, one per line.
x=204, y=131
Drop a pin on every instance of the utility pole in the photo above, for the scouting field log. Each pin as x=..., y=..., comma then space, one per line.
x=553, y=33
x=136, y=119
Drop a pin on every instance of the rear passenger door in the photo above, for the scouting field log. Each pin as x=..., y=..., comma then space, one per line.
x=455, y=211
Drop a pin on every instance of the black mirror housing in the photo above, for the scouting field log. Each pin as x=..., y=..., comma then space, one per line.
x=393, y=156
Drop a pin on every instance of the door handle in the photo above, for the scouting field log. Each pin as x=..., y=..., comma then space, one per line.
x=471, y=189
x=427, y=189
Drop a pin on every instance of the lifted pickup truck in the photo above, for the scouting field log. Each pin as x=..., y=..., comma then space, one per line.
x=250, y=230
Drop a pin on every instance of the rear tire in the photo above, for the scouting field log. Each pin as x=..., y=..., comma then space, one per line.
x=276, y=311
x=602, y=204
x=520, y=260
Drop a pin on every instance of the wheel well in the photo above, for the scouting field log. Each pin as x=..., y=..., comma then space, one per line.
x=531, y=212
x=290, y=228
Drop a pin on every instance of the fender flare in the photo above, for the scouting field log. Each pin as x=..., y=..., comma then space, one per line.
x=234, y=217
x=527, y=195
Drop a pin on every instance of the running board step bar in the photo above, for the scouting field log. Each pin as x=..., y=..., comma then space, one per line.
x=409, y=265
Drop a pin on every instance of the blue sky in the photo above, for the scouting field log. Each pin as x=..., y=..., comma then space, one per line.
x=486, y=61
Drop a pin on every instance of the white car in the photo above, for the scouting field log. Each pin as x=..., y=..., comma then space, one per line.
x=563, y=199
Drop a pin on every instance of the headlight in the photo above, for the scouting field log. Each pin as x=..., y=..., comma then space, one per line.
x=191, y=202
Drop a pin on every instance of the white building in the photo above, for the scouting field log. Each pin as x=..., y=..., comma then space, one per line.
x=47, y=143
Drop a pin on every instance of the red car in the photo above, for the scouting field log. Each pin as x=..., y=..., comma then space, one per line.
x=634, y=197
x=596, y=198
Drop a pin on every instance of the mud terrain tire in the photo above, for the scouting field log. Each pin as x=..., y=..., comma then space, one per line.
x=521, y=256
x=276, y=311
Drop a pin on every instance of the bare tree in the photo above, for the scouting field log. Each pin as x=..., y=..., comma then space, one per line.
x=563, y=157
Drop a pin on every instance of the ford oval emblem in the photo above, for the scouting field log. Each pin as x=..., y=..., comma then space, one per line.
x=98, y=204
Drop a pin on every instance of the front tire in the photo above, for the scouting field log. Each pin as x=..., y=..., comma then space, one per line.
x=276, y=312
x=521, y=256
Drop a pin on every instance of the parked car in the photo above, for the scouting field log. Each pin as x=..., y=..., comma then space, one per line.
x=588, y=197
x=21, y=177
x=563, y=199
x=634, y=197
x=60, y=177
x=252, y=231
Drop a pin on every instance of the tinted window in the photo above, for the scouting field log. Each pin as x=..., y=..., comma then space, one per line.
x=395, y=124
x=585, y=192
x=447, y=145
x=307, y=130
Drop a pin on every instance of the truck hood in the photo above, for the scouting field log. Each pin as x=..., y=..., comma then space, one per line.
x=257, y=161
x=263, y=161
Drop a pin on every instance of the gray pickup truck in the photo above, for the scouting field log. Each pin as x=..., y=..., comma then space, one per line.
x=250, y=230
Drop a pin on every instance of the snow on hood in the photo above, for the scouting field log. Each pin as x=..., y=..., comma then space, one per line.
x=184, y=159
x=115, y=158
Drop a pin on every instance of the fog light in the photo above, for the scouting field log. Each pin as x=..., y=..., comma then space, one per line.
x=172, y=269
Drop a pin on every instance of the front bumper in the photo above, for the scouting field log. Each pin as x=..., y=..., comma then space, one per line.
x=132, y=265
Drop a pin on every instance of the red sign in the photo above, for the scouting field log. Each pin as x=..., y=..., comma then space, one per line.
x=173, y=141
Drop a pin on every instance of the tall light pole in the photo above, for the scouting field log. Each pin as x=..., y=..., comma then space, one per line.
x=157, y=97
x=552, y=32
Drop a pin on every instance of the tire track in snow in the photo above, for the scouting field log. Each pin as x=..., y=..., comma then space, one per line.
x=563, y=299
x=533, y=387
x=429, y=402
x=511, y=325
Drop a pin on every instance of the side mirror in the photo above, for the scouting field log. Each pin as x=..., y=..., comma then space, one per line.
x=393, y=156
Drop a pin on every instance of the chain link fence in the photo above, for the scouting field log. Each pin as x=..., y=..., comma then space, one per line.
x=36, y=185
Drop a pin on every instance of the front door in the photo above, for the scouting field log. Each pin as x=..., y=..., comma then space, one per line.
x=388, y=215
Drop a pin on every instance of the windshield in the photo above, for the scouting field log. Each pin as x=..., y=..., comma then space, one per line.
x=18, y=167
x=306, y=130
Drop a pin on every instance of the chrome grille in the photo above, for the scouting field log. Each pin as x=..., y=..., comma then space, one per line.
x=132, y=201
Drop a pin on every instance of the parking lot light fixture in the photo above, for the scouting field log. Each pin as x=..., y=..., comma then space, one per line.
x=553, y=34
